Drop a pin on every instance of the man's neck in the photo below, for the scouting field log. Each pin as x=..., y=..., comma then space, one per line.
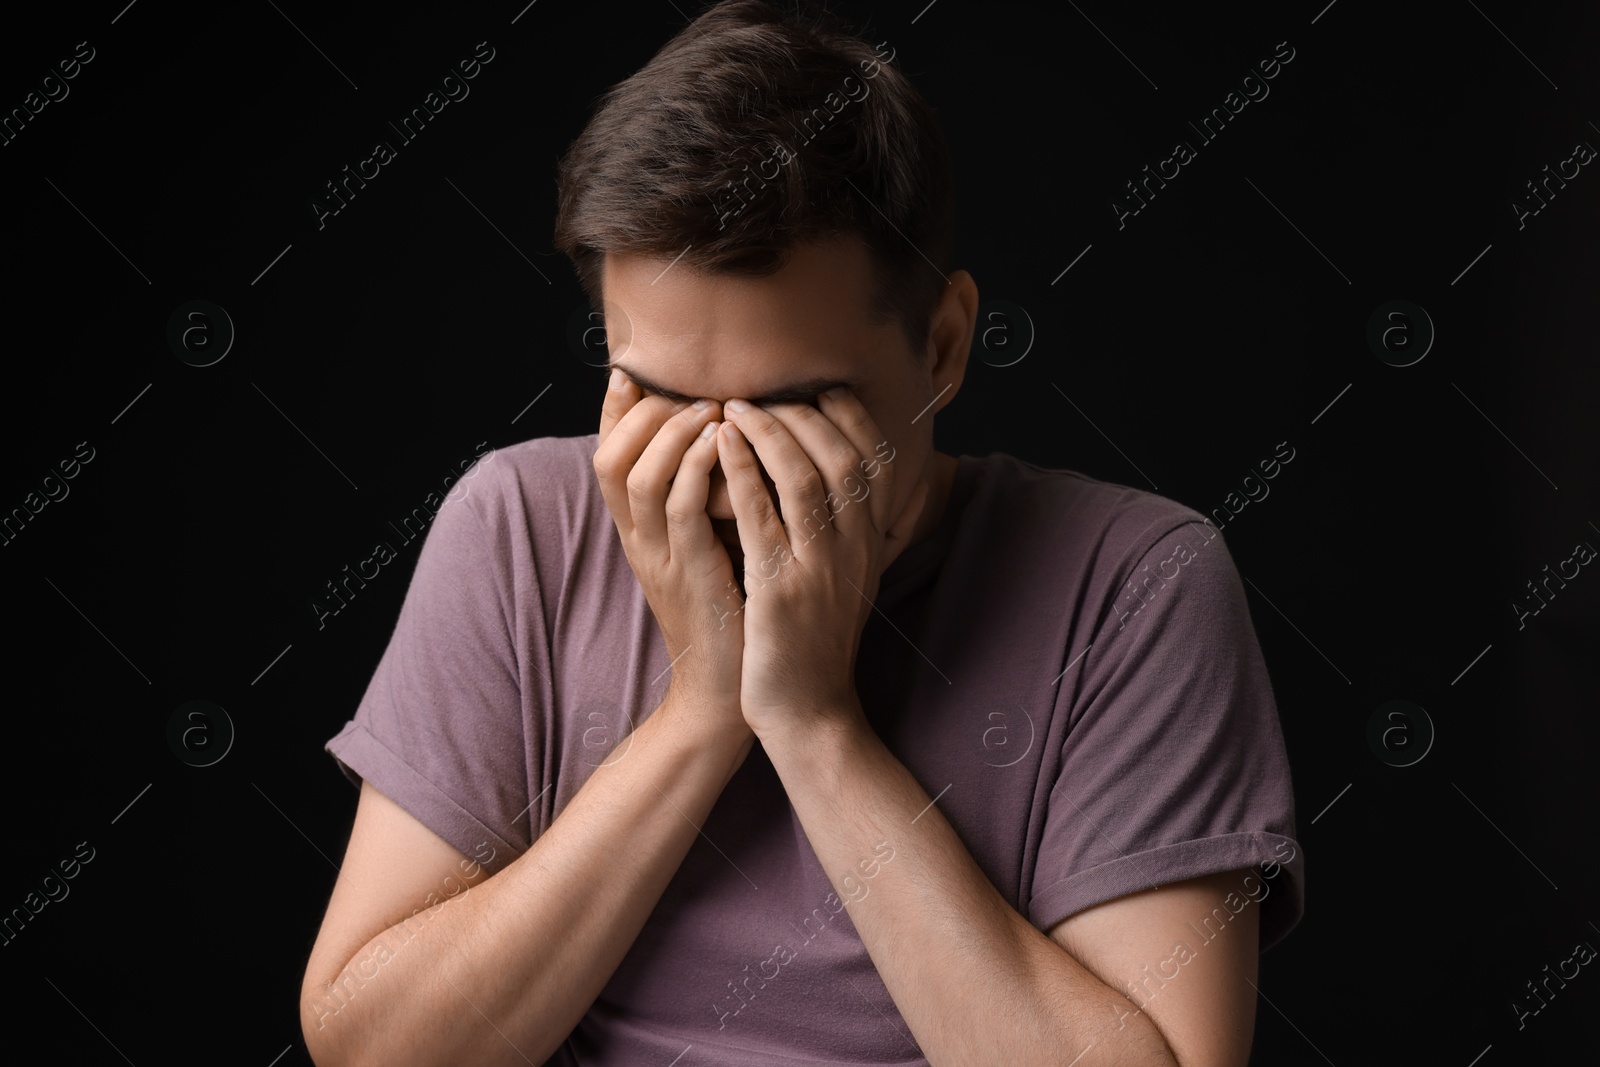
x=940, y=473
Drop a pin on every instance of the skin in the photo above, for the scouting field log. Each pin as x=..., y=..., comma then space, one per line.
x=733, y=337
x=723, y=337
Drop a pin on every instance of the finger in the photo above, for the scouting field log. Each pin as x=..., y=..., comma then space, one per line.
x=621, y=394
x=799, y=483
x=760, y=530
x=837, y=460
x=609, y=465
x=616, y=456
x=688, y=525
x=850, y=415
x=652, y=475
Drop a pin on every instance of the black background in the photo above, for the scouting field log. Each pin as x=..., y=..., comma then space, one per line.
x=378, y=351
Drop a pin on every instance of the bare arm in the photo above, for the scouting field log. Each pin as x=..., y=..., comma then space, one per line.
x=975, y=980
x=502, y=971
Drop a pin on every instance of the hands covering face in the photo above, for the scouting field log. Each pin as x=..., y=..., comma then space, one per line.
x=812, y=565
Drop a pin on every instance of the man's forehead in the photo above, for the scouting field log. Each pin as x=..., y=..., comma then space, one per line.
x=822, y=288
x=785, y=336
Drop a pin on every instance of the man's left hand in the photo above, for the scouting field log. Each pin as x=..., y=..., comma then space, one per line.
x=812, y=572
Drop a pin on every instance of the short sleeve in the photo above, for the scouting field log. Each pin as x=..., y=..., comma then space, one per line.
x=440, y=730
x=1173, y=765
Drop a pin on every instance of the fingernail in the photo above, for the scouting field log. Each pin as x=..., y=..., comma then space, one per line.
x=738, y=406
x=701, y=404
x=710, y=430
x=616, y=379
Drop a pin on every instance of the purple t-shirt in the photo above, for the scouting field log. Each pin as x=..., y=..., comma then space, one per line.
x=1069, y=664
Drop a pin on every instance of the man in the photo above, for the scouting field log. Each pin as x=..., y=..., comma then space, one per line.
x=1020, y=793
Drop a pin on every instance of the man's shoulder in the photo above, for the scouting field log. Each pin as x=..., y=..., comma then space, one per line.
x=538, y=465
x=544, y=458
x=541, y=486
x=1061, y=502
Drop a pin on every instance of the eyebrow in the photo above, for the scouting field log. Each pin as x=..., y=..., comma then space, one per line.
x=796, y=392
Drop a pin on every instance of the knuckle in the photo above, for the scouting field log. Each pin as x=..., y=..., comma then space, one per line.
x=843, y=457
x=680, y=517
x=808, y=483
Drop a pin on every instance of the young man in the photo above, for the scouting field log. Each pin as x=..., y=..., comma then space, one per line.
x=1020, y=793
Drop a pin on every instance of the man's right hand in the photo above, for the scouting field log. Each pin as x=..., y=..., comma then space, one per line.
x=654, y=463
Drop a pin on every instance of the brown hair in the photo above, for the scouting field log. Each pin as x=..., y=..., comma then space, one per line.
x=753, y=130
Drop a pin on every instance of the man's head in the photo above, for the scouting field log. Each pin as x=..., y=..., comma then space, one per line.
x=768, y=201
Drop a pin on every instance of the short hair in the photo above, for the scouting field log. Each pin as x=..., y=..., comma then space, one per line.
x=754, y=130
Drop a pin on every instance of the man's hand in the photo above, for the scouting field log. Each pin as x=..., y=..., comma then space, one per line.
x=811, y=574
x=654, y=464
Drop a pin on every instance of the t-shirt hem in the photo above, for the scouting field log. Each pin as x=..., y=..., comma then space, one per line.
x=361, y=755
x=1176, y=863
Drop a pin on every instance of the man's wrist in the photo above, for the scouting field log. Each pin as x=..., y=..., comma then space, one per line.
x=685, y=719
x=819, y=732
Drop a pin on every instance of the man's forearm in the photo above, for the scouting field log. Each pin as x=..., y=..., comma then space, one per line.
x=505, y=971
x=974, y=979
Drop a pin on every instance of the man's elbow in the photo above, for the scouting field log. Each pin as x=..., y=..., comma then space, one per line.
x=320, y=1007
x=1145, y=1044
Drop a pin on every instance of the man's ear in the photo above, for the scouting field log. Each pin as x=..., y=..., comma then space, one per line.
x=955, y=318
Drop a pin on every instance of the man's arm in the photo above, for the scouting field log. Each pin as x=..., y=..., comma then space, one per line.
x=505, y=971
x=973, y=978
x=1157, y=943
x=500, y=973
